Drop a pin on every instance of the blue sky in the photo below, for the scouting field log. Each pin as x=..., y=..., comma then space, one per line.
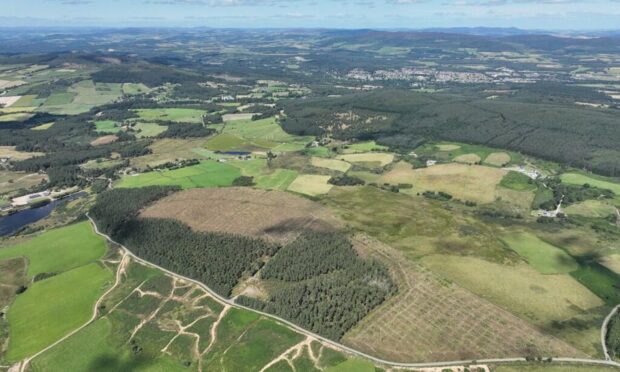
x=529, y=14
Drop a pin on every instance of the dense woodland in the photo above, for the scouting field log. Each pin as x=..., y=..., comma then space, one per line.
x=323, y=285
x=579, y=137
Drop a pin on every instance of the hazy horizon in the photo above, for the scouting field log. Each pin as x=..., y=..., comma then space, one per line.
x=574, y=15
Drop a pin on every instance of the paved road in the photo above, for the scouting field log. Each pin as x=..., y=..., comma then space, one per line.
x=337, y=345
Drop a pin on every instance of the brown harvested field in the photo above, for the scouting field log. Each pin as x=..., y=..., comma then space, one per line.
x=431, y=318
x=104, y=140
x=498, y=158
x=468, y=182
x=274, y=215
x=467, y=158
x=11, y=153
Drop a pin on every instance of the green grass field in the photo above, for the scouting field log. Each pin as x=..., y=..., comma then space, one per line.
x=107, y=126
x=363, y=147
x=132, y=88
x=228, y=142
x=591, y=208
x=51, y=308
x=206, y=174
x=59, y=249
x=181, y=115
x=149, y=129
x=596, y=181
x=264, y=178
x=353, y=365
x=264, y=130
x=542, y=256
x=43, y=126
x=58, y=99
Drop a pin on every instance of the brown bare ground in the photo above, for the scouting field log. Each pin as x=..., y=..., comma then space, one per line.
x=104, y=140
x=433, y=319
x=273, y=215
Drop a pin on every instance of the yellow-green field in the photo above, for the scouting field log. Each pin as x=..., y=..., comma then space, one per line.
x=333, y=164
x=379, y=158
x=591, y=208
x=447, y=147
x=467, y=158
x=580, y=179
x=519, y=288
x=310, y=184
x=467, y=182
x=498, y=159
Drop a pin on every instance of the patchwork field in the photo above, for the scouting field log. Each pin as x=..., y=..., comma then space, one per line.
x=467, y=182
x=374, y=158
x=310, y=184
x=269, y=214
x=208, y=173
x=333, y=164
x=431, y=318
x=70, y=280
x=58, y=250
x=265, y=133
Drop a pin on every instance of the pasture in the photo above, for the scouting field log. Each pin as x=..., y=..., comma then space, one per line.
x=133, y=88
x=263, y=131
x=264, y=177
x=59, y=249
x=168, y=150
x=542, y=256
x=596, y=181
x=268, y=214
x=366, y=146
x=107, y=126
x=310, y=184
x=591, y=208
x=517, y=181
x=232, y=117
x=208, y=173
x=447, y=147
x=180, y=115
x=333, y=164
x=104, y=140
x=18, y=116
x=229, y=142
x=12, y=181
x=467, y=182
x=380, y=159
x=51, y=308
x=149, y=129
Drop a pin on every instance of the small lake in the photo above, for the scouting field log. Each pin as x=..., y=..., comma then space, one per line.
x=12, y=223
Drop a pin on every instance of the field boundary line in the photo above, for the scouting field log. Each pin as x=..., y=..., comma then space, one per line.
x=337, y=345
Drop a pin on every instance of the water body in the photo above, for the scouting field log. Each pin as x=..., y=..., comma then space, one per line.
x=12, y=223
